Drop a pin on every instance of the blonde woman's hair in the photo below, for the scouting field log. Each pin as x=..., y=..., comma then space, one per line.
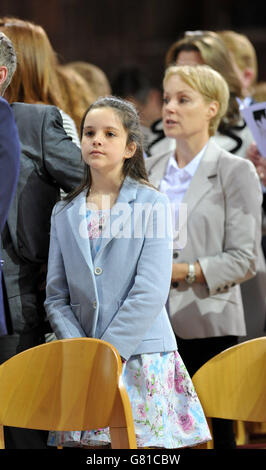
x=208, y=82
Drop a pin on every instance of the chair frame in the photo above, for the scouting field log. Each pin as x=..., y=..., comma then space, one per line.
x=232, y=385
x=71, y=384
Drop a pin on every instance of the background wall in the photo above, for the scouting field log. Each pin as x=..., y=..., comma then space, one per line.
x=110, y=33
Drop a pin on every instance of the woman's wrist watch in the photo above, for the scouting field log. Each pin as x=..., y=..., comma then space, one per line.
x=191, y=275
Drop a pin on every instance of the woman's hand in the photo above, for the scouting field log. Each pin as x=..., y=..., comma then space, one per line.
x=261, y=170
x=253, y=154
x=259, y=161
x=180, y=272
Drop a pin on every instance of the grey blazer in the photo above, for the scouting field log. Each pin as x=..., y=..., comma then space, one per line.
x=119, y=296
x=223, y=234
x=49, y=160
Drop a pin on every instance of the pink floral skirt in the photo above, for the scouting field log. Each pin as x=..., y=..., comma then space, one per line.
x=166, y=410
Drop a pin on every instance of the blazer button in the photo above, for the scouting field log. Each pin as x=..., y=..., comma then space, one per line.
x=98, y=271
x=94, y=304
x=175, y=254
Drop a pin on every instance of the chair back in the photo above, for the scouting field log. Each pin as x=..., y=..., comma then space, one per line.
x=232, y=385
x=67, y=385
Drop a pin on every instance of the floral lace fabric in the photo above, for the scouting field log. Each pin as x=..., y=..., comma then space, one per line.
x=166, y=410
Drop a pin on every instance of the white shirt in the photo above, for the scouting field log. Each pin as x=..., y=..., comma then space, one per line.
x=177, y=180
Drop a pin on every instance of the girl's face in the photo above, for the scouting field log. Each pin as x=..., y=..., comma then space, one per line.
x=104, y=141
x=185, y=113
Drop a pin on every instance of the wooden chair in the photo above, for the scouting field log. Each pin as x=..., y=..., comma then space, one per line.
x=232, y=385
x=67, y=385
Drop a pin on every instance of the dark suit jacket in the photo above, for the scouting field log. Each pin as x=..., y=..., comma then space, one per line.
x=9, y=170
x=49, y=161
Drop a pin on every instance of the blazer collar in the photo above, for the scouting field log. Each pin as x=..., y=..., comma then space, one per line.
x=156, y=167
x=201, y=182
x=127, y=195
x=76, y=213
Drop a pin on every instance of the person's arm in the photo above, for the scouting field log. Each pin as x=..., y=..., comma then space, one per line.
x=9, y=159
x=150, y=290
x=62, y=158
x=237, y=262
x=70, y=127
x=180, y=272
x=241, y=237
x=57, y=303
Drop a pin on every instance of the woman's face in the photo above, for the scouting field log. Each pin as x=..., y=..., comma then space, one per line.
x=185, y=113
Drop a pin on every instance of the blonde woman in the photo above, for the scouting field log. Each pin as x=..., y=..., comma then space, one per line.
x=207, y=47
x=223, y=225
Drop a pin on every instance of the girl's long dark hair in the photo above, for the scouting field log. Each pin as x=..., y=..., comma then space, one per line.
x=134, y=166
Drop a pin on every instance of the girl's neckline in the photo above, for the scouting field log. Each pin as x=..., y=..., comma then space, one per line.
x=96, y=211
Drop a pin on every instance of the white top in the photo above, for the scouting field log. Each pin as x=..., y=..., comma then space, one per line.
x=70, y=127
x=177, y=180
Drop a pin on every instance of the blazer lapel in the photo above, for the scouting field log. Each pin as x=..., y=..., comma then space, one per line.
x=120, y=212
x=201, y=181
x=76, y=215
x=156, y=167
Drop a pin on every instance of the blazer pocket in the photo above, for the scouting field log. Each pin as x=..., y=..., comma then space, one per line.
x=76, y=310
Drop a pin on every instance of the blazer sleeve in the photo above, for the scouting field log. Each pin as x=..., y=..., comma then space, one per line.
x=150, y=290
x=9, y=159
x=57, y=304
x=61, y=157
x=241, y=240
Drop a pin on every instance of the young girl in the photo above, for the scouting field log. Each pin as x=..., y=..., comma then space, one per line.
x=109, y=273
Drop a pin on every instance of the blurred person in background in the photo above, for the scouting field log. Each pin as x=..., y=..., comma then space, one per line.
x=94, y=76
x=75, y=91
x=131, y=83
x=259, y=93
x=245, y=57
x=36, y=79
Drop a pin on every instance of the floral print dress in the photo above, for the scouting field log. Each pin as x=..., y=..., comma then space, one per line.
x=166, y=410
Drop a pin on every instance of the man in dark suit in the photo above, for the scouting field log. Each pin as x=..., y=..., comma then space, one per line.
x=9, y=171
x=49, y=162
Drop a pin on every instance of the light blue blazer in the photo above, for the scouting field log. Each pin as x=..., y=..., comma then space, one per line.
x=119, y=296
